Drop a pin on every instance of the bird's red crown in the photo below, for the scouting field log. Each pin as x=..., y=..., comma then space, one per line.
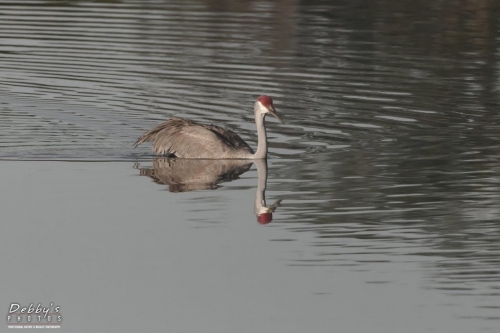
x=266, y=101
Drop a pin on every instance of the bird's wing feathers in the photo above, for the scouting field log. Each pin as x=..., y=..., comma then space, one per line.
x=185, y=138
x=229, y=137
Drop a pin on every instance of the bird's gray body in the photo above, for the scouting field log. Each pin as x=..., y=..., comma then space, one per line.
x=187, y=139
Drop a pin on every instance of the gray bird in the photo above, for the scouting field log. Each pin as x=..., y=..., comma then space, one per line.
x=183, y=138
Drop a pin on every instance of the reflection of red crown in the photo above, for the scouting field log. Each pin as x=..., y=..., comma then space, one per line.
x=264, y=218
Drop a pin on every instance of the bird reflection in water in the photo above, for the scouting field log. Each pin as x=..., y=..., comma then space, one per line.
x=182, y=175
x=264, y=213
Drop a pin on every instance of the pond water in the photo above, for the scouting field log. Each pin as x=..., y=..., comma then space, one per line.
x=387, y=168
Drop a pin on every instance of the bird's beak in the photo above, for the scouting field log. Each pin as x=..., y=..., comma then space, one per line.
x=275, y=113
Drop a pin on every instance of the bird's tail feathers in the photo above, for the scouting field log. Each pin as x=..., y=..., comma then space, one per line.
x=150, y=135
x=144, y=138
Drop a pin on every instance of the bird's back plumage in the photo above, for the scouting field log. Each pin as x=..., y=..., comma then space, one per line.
x=188, y=139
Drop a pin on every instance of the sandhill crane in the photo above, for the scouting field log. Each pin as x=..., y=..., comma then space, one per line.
x=183, y=138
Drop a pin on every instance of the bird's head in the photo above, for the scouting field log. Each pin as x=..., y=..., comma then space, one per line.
x=264, y=105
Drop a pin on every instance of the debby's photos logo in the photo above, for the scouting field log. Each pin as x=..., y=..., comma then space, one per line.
x=34, y=316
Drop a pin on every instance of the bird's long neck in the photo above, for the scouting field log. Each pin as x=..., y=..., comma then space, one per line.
x=261, y=136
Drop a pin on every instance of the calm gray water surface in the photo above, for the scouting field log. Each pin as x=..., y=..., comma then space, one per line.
x=388, y=165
